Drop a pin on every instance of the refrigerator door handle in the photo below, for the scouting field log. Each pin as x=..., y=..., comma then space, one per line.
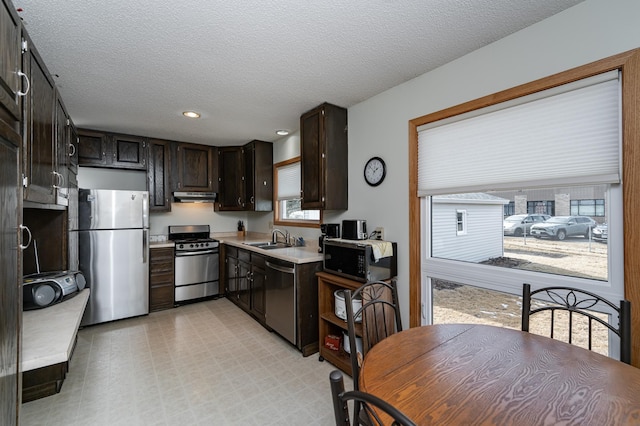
x=145, y=210
x=144, y=245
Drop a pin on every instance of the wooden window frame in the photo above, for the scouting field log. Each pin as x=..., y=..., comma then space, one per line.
x=629, y=65
x=276, y=203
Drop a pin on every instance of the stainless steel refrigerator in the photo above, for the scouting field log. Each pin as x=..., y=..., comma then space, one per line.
x=113, y=234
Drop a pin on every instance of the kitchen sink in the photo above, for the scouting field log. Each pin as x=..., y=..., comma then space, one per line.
x=268, y=245
x=261, y=243
x=272, y=246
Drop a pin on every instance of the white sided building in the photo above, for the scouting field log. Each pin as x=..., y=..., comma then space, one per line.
x=468, y=227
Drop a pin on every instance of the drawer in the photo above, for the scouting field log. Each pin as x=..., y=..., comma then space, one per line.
x=161, y=298
x=257, y=260
x=161, y=267
x=244, y=255
x=161, y=253
x=231, y=251
x=161, y=278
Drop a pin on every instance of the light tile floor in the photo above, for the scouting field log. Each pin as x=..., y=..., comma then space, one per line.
x=205, y=363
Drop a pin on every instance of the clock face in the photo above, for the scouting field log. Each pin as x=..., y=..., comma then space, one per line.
x=374, y=171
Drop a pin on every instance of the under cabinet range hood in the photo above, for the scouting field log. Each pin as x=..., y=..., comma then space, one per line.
x=194, y=197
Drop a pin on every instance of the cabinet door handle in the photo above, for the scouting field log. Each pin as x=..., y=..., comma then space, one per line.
x=72, y=150
x=59, y=180
x=239, y=201
x=23, y=75
x=25, y=228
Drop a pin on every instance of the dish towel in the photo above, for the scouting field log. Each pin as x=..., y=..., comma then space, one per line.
x=380, y=249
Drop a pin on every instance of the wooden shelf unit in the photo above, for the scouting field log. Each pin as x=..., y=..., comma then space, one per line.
x=329, y=323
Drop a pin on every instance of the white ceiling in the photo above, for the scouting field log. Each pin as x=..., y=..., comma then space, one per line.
x=254, y=66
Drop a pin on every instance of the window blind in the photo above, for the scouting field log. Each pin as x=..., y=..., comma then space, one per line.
x=289, y=181
x=568, y=135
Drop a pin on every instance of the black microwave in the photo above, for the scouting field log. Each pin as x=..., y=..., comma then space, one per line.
x=355, y=260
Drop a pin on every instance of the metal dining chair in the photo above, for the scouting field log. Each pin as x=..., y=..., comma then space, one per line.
x=367, y=401
x=581, y=303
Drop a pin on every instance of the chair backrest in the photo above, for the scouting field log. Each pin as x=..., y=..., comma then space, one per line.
x=380, y=314
x=369, y=403
x=582, y=303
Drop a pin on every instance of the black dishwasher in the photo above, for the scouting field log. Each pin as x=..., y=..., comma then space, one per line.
x=280, y=297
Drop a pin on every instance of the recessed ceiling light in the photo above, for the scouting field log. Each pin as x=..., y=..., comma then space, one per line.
x=282, y=132
x=191, y=114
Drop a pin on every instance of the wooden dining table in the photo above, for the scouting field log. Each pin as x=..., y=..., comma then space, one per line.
x=472, y=374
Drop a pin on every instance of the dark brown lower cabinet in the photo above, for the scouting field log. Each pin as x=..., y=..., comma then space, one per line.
x=245, y=281
x=257, y=282
x=161, y=283
x=307, y=304
x=44, y=381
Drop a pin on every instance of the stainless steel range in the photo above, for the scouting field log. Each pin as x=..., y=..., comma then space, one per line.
x=196, y=262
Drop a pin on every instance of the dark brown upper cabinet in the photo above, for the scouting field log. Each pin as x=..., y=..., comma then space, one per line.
x=63, y=151
x=194, y=170
x=245, y=177
x=128, y=152
x=117, y=151
x=73, y=148
x=324, y=158
x=92, y=148
x=11, y=79
x=158, y=175
x=231, y=181
x=258, y=166
x=38, y=129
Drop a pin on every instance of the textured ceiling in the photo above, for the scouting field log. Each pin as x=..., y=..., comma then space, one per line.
x=254, y=66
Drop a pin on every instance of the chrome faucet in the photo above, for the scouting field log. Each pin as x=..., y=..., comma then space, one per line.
x=274, y=236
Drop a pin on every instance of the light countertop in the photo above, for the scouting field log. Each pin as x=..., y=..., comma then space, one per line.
x=48, y=334
x=289, y=254
x=163, y=244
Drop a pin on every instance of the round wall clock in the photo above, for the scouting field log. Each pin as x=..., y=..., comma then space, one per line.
x=374, y=171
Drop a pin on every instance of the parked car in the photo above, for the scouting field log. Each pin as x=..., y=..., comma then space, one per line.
x=600, y=233
x=560, y=227
x=516, y=225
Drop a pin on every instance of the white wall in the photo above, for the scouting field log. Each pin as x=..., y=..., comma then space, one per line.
x=195, y=214
x=378, y=126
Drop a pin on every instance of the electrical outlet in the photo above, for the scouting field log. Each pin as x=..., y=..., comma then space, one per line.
x=379, y=233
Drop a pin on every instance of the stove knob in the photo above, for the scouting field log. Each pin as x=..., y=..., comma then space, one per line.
x=191, y=245
x=206, y=244
x=181, y=246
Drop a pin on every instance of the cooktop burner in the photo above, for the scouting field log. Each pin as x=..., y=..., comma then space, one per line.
x=196, y=244
x=192, y=237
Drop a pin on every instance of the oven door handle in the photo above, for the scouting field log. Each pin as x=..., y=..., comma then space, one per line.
x=195, y=253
